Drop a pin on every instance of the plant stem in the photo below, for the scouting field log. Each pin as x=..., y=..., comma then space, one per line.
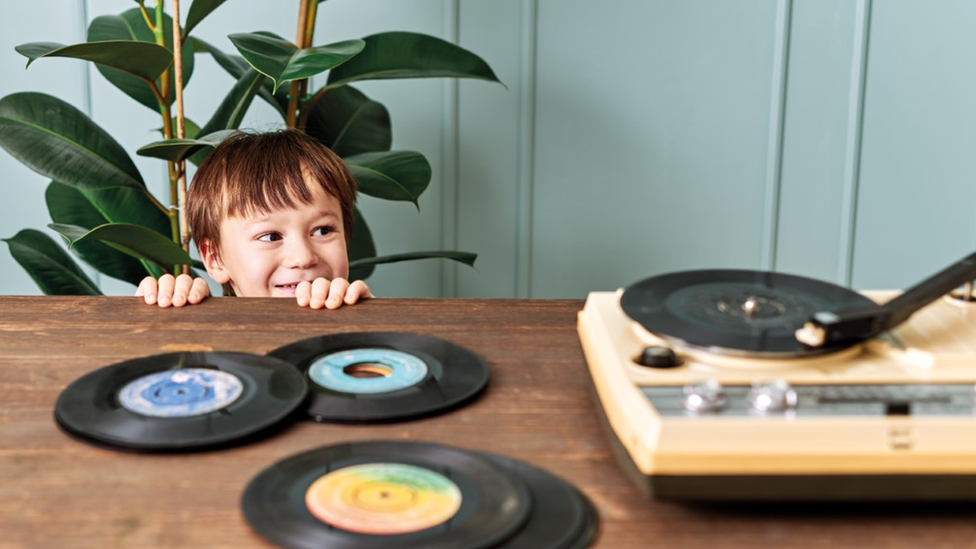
x=162, y=95
x=180, y=128
x=295, y=89
x=145, y=15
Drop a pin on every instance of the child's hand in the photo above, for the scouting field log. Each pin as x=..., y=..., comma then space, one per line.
x=176, y=291
x=331, y=294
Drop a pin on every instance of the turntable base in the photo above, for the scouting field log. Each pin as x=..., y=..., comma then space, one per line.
x=893, y=418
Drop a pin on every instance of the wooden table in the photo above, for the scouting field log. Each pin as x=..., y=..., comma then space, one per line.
x=58, y=492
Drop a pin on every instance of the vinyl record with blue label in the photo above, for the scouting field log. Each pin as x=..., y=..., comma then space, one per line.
x=181, y=401
x=384, y=376
x=404, y=495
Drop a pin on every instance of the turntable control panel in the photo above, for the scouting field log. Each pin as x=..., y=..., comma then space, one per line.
x=777, y=398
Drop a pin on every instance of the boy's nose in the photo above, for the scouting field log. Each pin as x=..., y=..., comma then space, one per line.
x=300, y=255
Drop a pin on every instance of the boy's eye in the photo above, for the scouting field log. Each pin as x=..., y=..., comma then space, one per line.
x=269, y=237
x=322, y=231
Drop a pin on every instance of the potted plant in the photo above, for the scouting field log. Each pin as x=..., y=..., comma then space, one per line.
x=98, y=200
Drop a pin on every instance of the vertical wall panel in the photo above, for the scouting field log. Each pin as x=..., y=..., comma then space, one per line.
x=816, y=144
x=489, y=149
x=917, y=197
x=651, y=140
x=23, y=203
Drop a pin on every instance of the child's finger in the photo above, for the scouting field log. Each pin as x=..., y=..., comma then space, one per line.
x=199, y=291
x=164, y=297
x=147, y=289
x=181, y=289
x=357, y=290
x=337, y=291
x=320, y=289
x=303, y=293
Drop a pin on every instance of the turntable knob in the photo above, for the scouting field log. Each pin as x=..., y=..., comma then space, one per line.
x=704, y=396
x=657, y=356
x=772, y=396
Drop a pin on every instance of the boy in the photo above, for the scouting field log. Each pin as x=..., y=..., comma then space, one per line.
x=271, y=214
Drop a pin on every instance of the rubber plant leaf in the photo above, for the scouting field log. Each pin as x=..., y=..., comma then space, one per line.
x=410, y=55
x=57, y=140
x=236, y=66
x=462, y=257
x=349, y=123
x=360, y=246
x=282, y=61
x=69, y=206
x=230, y=113
x=176, y=150
x=199, y=10
x=391, y=175
x=140, y=59
x=135, y=240
x=131, y=26
x=53, y=270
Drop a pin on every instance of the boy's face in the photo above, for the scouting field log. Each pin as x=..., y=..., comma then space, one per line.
x=269, y=254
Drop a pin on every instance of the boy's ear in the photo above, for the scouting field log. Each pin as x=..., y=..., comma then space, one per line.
x=211, y=260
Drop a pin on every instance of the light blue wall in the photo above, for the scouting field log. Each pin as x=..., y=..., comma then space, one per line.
x=831, y=138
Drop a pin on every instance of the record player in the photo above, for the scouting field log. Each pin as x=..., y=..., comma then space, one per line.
x=753, y=385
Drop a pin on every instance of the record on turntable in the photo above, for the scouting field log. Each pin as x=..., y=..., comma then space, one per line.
x=735, y=384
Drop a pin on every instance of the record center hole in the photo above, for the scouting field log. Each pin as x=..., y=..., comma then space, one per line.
x=367, y=370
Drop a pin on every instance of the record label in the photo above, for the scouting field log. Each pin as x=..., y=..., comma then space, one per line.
x=387, y=370
x=181, y=393
x=383, y=498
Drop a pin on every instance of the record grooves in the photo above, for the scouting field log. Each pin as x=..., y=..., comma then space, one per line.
x=502, y=502
x=181, y=401
x=409, y=375
x=736, y=312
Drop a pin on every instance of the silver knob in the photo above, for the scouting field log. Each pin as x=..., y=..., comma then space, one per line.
x=704, y=396
x=772, y=396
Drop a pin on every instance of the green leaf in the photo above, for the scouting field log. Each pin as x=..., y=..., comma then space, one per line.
x=134, y=240
x=360, y=246
x=53, y=270
x=69, y=206
x=57, y=140
x=141, y=59
x=350, y=123
x=282, y=61
x=462, y=257
x=132, y=27
x=391, y=175
x=236, y=66
x=198, y=11
x=410, y=55
x=175, y=150
x=231, y=111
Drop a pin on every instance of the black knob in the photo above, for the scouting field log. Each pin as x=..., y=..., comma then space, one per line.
x=658, y=357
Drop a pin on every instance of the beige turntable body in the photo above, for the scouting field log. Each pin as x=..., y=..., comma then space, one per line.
x=894, y=417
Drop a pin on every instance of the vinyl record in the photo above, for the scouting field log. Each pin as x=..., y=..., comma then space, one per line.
x=737, y=312
x=181, y=401
x=384, y=376
x=561, y=517
x=359, y=495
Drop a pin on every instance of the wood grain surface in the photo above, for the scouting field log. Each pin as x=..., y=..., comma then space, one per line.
x=57, y=492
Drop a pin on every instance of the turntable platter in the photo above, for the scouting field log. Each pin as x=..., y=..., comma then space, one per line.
x=736, y=312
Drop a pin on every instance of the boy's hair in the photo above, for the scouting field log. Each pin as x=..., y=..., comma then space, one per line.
x=248, y=174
